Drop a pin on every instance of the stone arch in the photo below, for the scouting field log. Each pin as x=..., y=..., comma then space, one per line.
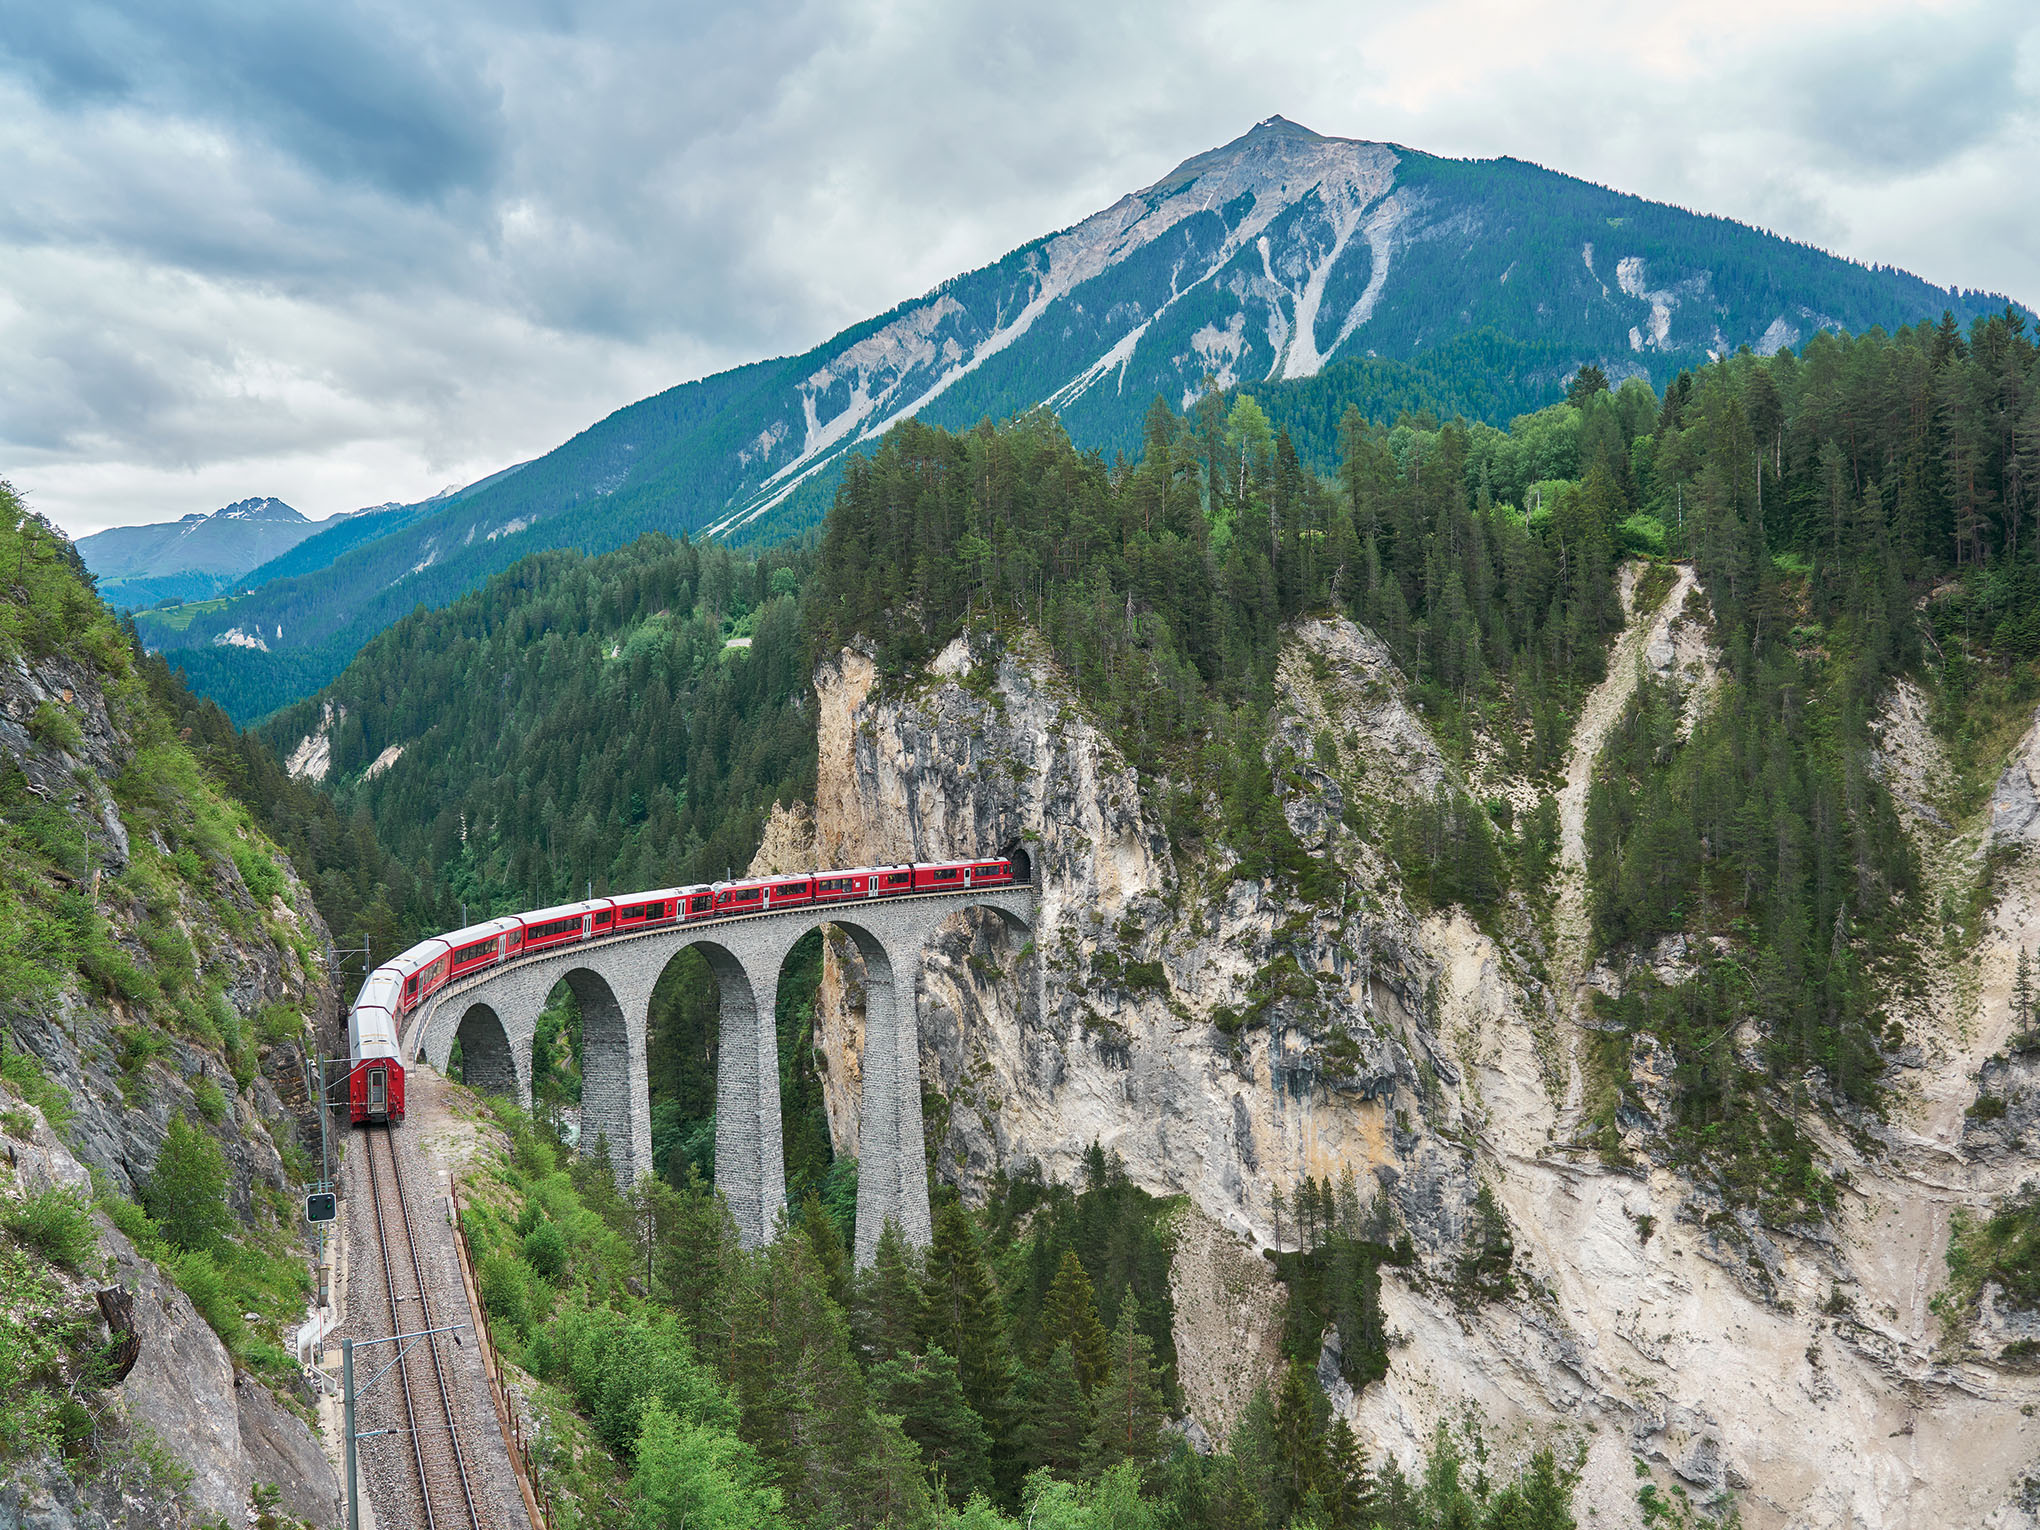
x=612, y=1069
x=749, y=1169
x=892, y=1170
x=487, y=1061
x=892, y=1176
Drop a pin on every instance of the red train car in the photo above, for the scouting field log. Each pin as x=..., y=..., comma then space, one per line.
x=375, y=1064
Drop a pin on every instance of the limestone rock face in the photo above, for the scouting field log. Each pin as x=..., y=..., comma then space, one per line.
x=1226, y=1038
x=1118, y=1023
x=126, y=1068
x=183, y=1393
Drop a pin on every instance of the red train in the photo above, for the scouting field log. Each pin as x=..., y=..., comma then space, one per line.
x=375, y=1073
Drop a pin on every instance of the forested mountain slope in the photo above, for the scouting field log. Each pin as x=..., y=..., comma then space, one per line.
x=163, y=978
x=1351, y=272
x=1559, y=892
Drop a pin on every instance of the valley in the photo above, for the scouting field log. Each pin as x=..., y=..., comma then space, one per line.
x=1526, y=1007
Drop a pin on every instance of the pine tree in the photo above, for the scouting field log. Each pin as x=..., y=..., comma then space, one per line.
x=1345, y=1486
x=1298, y=1440
x=1129, y=1407
x=925, y=1395
x=1056, y=1419
x=826, y=1244
x=886, y=1304
x=1069, y=1315
x=1233, y=1503
x=695, y=1257
x=962, y=1311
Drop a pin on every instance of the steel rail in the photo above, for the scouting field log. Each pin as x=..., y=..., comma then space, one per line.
x=424, y=1299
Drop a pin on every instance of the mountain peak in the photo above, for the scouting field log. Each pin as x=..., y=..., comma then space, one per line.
x=1274, y=147
x=261, y=508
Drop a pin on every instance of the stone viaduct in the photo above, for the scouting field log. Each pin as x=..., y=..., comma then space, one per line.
x=494, y=1015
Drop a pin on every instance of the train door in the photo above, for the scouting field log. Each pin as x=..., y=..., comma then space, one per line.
x=378, y=1094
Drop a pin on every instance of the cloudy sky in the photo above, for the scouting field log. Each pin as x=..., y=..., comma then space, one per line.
x=349, y=252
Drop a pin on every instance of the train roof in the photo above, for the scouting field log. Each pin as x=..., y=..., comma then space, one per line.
x=565, y=910
x=475, y=932
x=419, y=955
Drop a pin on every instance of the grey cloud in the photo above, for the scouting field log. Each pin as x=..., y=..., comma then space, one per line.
x=1917, y=93
x=365, y=93
x=448, y=236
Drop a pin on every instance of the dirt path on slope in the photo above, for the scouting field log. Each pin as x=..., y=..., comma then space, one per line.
x=1603, y=709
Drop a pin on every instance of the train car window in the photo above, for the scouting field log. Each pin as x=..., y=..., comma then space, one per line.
x=833, y=884
x=479, y=949
x=412, y=986
x=791, y=890
x=897, y=877
x=750, y=895
x=603, y=917
x=701, y=905
x=947, y=874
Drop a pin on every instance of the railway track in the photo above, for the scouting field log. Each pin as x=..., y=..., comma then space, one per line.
x=450, y=1495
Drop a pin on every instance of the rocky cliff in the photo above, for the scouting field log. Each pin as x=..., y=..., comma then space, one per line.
x=161, y=960
x=1228, y=1039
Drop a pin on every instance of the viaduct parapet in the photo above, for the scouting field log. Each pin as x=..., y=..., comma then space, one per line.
x=494, y=1015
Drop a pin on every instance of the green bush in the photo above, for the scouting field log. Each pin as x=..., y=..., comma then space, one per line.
x=545, y=1250
x=1641, y=533
x=24, y=1074
x=259, y=873
x=130, y=1219
x=55, y=727
x=187, y=1192
x=2003, y=1247
x=504, y=1283
x=280, y=1023
x=208, y=1100
x=58, y=1223
x=31, y=1352
x=200, y=1277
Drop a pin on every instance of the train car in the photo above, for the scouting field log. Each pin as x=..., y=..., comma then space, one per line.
x=423, y=969
x=565, y=925
x=483, y=945
x=840, y=886
x=648, y=910
x=739, y=898
x=391, y=993
x=375, y=1065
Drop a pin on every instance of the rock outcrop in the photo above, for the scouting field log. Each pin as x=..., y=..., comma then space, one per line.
x=206, y=999
x=1226, y=1038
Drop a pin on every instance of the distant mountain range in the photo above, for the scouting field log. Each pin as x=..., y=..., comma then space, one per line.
x=1312, y=271
x=193, y=558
